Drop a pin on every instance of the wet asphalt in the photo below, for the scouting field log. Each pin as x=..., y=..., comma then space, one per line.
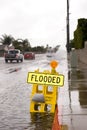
x=15, y=98
x=15, y=95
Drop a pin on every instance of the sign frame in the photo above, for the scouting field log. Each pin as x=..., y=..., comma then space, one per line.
x=45, y=79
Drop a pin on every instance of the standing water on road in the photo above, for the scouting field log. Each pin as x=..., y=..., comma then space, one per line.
x=15, y=96
x=15, y=93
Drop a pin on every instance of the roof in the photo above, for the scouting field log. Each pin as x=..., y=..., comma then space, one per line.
x=2, y=47
x=6, y=47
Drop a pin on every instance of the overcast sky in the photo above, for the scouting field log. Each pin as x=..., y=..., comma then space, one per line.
x=42, y=22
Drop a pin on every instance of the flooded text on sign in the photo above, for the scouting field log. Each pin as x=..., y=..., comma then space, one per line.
x=45, y=79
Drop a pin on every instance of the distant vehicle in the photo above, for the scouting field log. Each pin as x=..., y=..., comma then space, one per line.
x=13, y=54
x=29, y=55
x=50, y=53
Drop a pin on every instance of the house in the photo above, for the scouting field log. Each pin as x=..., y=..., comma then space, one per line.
x=4, y=48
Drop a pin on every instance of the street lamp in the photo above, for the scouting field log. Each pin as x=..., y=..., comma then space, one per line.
x=68, y=33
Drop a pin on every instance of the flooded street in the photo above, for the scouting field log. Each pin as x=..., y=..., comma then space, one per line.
x=15, y=96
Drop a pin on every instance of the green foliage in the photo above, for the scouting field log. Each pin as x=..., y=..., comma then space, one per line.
x=23, y=45
x=72, y=45
x=38, y=49
x=78, y=38
x=80, y=34
x=6, y=39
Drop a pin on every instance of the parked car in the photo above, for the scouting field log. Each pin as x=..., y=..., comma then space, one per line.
x=29, y=55
x=13, y=54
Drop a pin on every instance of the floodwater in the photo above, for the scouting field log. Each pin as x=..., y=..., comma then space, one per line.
x=15, y=97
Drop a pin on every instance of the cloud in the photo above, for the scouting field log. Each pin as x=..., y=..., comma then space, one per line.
x=33, y=19
x=41, y=21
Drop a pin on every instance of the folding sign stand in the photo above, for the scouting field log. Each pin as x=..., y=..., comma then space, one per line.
x=44, y=96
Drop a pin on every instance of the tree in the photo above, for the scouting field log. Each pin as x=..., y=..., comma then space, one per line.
x=16, y=44
x=6, y=39
x=78, y=38
x=80, y=34
x=72, y=44
x=38, y=49
x=21, y=44
x=26, y=44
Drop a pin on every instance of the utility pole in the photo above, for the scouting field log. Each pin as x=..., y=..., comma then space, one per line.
x=68, y=33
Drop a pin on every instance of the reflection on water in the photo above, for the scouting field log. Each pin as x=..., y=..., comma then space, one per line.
x=79, y=83
x=45, y=121
x=75, y=113
x=83, y=95
x=64, y=127
x=41, y=121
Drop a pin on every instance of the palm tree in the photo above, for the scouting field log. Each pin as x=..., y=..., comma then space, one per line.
x=6, y=39
x=21, y=44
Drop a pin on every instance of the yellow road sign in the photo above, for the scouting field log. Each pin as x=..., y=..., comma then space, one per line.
x=45, y=79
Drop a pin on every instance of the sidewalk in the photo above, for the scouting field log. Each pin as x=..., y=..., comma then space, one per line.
x=73, y=109
x=72, y=99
